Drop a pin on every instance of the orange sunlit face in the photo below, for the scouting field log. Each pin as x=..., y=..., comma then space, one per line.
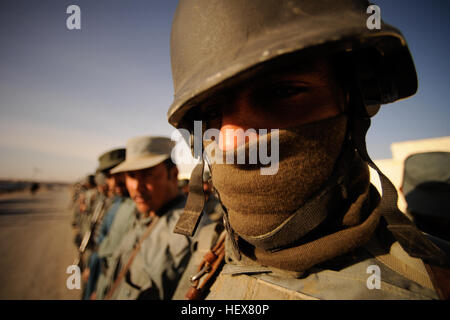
x=281, y=99
x=150, y=188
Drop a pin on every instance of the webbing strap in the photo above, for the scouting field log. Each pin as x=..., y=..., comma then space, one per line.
x=409, y=237
x=188, y=222
x=133, y=254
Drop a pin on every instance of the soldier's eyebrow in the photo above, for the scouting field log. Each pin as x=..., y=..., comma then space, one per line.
x=307, y=76
x=302, y=68
x=316, y=70
x=308, y=67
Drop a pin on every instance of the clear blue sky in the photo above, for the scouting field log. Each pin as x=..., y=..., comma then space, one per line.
x=68, y=96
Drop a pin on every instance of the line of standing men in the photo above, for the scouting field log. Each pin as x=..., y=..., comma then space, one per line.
x=125, y=224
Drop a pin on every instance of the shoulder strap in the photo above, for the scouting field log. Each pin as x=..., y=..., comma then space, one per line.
x=441, y=280
x=406, y=233
x=399, y=261
x=124, y=271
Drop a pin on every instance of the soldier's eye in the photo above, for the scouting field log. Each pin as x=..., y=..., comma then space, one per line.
x=213, y=112
x=285, y=91
x=212, y=115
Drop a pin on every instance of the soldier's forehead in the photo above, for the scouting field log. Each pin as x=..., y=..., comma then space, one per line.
x=311, y=71
x=147, y=171
x=317, y=66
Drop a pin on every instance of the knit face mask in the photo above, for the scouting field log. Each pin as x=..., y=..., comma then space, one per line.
x=258, y=204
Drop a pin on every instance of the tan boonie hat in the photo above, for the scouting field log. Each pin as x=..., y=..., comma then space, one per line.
x=110, y=159
x=145, y=152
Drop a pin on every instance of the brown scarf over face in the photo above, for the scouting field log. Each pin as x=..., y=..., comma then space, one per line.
x=316, y=207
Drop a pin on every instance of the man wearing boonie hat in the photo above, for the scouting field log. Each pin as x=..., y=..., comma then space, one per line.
x=151, y=258
x=115, y=188
x=117, y=218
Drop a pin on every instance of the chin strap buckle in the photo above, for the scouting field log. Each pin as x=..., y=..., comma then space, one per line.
x=189, y=220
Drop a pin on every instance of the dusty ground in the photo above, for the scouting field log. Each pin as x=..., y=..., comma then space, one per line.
x=36, y=245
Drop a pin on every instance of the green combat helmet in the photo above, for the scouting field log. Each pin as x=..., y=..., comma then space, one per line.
x=216, y=45
x=209, y=51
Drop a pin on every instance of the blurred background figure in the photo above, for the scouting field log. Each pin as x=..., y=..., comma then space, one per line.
x=183, y=182
x=34, y=187
x=87, y=197
x=114, y=220
x=83, y=199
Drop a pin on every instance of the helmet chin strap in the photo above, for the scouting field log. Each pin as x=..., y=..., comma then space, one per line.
x=189, y=220
x=405, y=232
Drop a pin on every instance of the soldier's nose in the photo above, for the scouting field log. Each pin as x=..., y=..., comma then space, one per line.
x=238, y=121
x=232, y=136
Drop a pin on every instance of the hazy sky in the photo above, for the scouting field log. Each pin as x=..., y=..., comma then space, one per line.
x=66, y=96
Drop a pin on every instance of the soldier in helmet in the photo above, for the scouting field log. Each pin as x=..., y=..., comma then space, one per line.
x=305, y=77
